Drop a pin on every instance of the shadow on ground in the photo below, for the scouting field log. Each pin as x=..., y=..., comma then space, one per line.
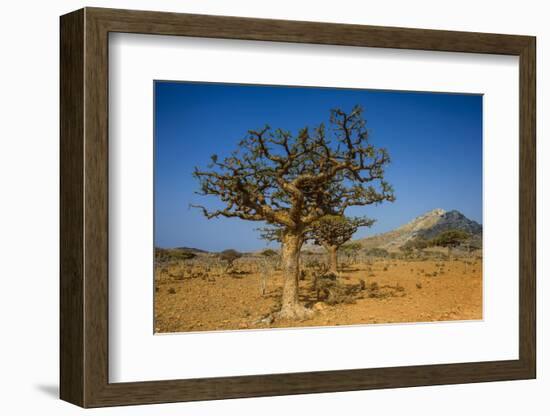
x=51, y=390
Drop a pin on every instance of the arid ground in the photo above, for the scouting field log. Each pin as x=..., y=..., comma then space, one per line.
x=375, y=291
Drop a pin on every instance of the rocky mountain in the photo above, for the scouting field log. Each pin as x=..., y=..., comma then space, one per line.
x=427, y=225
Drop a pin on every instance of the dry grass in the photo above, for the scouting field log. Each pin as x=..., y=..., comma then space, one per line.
x=198, y=296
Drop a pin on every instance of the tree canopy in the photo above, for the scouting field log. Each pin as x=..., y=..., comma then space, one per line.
x=335, y=230
x=450, y=238
x=230, y=256
x=294, y=180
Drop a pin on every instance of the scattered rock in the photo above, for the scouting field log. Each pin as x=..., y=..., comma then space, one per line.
x=319, y=306
x=268, y=320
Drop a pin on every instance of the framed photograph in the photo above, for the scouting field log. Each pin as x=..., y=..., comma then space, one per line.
x=255, y=207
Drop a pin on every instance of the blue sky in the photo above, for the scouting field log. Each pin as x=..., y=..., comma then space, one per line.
x=434, y=140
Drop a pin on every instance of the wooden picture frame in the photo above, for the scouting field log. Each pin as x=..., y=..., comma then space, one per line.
x=84, y=207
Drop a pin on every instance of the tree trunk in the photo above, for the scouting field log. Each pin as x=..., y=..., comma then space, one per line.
x=290, y=259
x=332, y=263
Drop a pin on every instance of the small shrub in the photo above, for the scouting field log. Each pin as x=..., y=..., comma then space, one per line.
x=419, y=285
x=172, y=291
x=374, y=290
x=381, y=292
x=330, y=290
x=229, y=256
x=377, y=252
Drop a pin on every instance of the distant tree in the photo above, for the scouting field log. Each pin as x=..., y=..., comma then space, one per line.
x=332, y=232
x=267, y=266
x=291, y=181
x=229, y=257
x=418, y=243
x=270, y=258
x=173, y=254
x=406, y=249
x=377, y=252
x=269, y=253
x=475, y=244
x=351, y=250
x=450, y=239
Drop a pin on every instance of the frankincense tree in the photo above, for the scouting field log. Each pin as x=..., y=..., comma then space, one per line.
x=291, y=181
x=333, y=231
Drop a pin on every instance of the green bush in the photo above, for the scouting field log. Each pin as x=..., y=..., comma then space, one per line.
x=332, y=291
x=449, y=238
x=269, y=253
x=229, y=256
x=377, y=252
x=163, y=255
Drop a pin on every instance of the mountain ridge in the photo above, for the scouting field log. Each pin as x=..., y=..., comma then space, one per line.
x=427, y=225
